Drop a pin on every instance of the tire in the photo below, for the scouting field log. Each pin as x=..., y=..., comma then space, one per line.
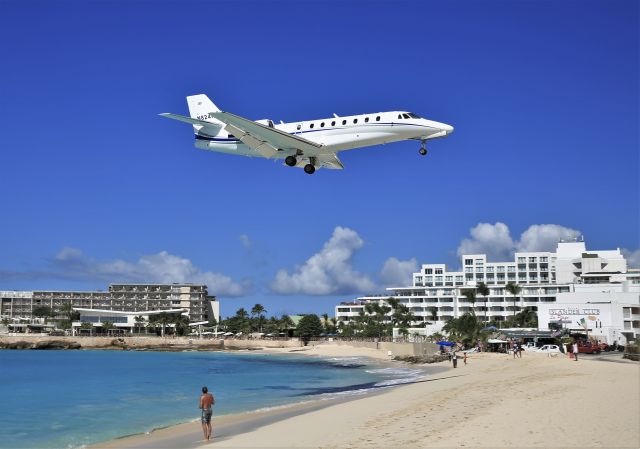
x=309, y=169
x=291, y=161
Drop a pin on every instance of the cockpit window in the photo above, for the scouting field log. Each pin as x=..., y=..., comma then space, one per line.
x=400, y=116
x=412, y=115
x=406, y=115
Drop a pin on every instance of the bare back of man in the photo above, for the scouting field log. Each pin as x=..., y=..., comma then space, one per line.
x=206, y=402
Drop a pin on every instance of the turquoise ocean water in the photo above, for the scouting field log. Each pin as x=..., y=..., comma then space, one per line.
x=67, y=399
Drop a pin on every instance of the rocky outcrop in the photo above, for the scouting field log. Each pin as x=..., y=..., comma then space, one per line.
x=52, y=344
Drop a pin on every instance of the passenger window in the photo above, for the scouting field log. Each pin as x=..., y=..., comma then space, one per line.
x=333, y=123
x=322, y=125
x=298, y=127
x=355, y=120
x=366, y=119
x=377, y=118
x=311, y=125
x=344, y=122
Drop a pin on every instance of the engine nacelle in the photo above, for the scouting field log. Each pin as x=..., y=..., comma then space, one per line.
x=266, y=122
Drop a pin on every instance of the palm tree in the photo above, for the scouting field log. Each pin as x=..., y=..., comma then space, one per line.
x=514, y=289
x=483, y=290
x=87, y=325
x=471, y=296
x=139, y=322
x=325, y=322
x=257, y=311
x=67, y=309
x=107, y=326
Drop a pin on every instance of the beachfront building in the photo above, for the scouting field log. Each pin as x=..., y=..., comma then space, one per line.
x=437, y=294
x=121, y=322
x=136, y=298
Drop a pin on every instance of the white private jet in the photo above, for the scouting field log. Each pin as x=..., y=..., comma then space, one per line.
x=216, y=130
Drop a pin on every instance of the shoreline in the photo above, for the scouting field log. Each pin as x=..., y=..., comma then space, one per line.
x=494, y=401
x=189, y=434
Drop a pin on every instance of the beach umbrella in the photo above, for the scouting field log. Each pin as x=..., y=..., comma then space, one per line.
x=445, y=343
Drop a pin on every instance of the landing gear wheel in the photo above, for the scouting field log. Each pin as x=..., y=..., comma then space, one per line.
x=291, y=161
x=309, y=169
x=423, y=151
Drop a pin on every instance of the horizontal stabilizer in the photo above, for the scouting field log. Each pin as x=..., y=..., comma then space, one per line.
x=210, y=129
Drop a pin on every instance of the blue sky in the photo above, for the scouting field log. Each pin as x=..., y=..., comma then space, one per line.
x=95, y=187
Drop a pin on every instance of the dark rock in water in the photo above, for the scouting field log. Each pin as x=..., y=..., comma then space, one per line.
x=422, y=359
x=19, y=345
x=56, y=344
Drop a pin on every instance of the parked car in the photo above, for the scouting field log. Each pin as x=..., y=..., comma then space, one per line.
x=549, y=348
x=586, y=347
x=529, y=347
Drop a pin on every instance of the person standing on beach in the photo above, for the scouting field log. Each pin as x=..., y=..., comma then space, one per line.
x=575, y=351
x=454, y=359
x=465, y=358
x=206, y=402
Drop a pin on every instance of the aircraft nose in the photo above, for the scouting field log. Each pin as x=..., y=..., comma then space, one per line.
x=447, y=128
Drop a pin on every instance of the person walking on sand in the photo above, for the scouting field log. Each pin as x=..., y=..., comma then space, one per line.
x=206, y=402
x=454, y=359
x=464, y=359
x=575, y=351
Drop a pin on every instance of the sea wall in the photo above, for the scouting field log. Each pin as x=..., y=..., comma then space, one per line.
x=139, y=343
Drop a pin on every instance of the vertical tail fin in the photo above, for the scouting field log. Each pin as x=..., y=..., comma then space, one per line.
x=200, y=108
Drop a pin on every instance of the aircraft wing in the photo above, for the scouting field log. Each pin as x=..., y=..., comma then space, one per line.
x=267, y=141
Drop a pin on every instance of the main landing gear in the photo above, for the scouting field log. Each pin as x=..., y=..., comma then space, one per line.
x=291, y=161
x=309, y=169
x=423, y=149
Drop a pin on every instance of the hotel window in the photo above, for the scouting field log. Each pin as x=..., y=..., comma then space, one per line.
x=468, y=269
x=428, y=278
x=489, y=269
x=438, y=270
x=438, y=279
x=479, y=261
x=448, y=278
x=377, y=118
x=479, y=269
x=366, y=119
x=501, y=269
x=458, y=278
x=532, y=260
x=511, y=269
x=428, y=271
x=468, y=261
x=543, y=259
x=522, y=259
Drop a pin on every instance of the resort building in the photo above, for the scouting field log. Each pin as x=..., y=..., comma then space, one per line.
x=134, y=298
x=546, y=280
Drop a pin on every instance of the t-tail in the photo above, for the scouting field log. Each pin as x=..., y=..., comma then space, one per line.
x=201, y=110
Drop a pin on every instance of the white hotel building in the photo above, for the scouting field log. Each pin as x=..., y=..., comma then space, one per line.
x=547, y=280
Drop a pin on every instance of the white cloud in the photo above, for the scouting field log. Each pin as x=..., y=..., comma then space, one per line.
x=328, y=271
x=633, y=257
x=396, y=272
x=495, y=240
x=246, y=242
x=544, y=237
x=162, y=267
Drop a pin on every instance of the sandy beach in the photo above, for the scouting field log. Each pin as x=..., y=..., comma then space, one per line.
x=493, y=401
